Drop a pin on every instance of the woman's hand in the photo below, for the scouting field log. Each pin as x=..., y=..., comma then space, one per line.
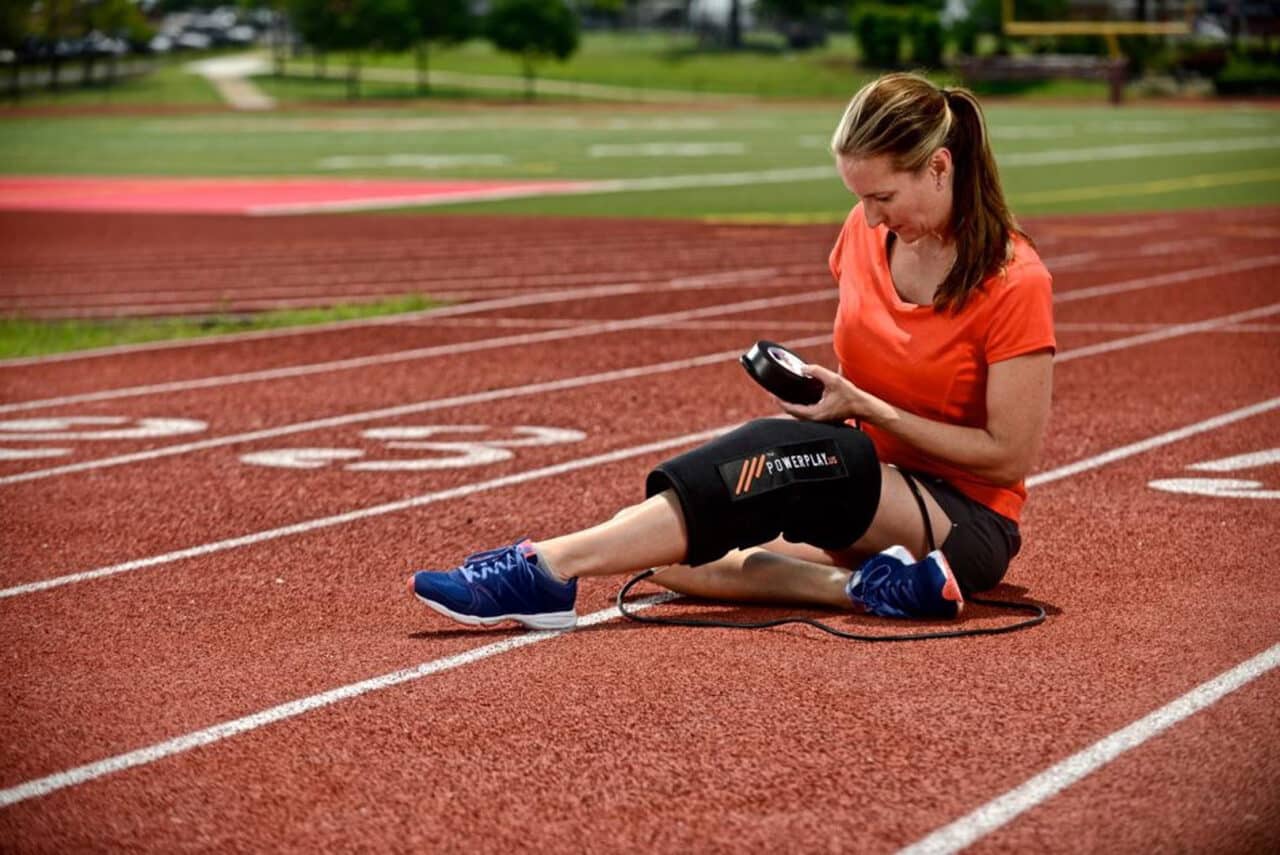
x=841, y=400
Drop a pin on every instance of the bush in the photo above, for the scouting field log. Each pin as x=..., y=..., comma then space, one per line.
x=879, y=31
x=1248, y=76
x=925, y=32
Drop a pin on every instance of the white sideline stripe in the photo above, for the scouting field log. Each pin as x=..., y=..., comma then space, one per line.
x=694, y=283
x=402, y=410
x=216, y=733
x=556, y=385
x=363, y=513
x=1142, y=446
x=532, y=299
x=1160, y=280
x=294, y=371
x=1002, y=810
x=227, y=729
x=767, y=176
x=1172, y=331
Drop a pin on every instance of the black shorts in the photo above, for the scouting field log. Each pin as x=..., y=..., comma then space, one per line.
x=981, y=542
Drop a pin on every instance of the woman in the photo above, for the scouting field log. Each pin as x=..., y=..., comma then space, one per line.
x=945, y=340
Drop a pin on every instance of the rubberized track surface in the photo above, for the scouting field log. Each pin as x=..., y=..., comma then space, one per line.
x=207, y=645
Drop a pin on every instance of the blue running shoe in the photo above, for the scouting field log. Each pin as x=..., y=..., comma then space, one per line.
x=501, y=584
x=894, y=584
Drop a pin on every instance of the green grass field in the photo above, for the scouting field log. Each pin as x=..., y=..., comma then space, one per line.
x=1054, y=158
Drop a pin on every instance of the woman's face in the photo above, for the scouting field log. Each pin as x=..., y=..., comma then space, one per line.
x=911, y=204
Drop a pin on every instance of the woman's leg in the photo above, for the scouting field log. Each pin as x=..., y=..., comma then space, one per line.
x=781, y=571
x=649, y=534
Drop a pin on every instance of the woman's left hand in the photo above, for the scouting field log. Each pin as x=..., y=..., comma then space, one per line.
x=840, y=400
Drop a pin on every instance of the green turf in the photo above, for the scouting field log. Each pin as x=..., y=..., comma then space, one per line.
x=167, y=85
x=26, y=337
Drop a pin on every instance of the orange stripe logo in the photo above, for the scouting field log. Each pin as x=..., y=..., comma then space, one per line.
x=751, y=469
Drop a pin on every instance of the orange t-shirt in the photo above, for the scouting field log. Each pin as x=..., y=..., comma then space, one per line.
x=932, y=364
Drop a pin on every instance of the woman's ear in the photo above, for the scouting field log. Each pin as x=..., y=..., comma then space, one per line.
x=940, y=164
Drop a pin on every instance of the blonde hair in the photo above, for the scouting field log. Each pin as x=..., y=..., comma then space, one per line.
x=908, y=118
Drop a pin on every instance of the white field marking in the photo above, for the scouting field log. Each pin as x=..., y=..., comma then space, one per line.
x=666, y=149
x=1217, y=488
x=1136, y=151
x=158, y=751
x=638, y=371
x=301, y=458
x=589, y=328
x=1142, y=446
x=234, y=727
x=1002, y=810
x=1195, y=245
x=537, y=298
x=63, y=428
x=418, y=161
x=768, y=176
x=32, y=453
x=505, y=122
x=1252, y=460
x=364, y=513
x=1173, y=331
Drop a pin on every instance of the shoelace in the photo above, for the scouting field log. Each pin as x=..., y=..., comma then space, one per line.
x=482, y=565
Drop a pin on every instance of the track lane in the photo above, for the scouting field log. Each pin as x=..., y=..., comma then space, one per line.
x=893, y=735
x=740, y=814
x=252, y=569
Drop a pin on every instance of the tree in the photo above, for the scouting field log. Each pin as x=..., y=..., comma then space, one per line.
x=536, y=30
x=15, y=26
x=445, y=21
x=354, y=26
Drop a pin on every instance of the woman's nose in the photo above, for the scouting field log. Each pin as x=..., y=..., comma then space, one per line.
x=873, y=213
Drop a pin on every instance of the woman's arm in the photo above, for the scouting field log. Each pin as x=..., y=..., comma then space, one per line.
x=1018, y=397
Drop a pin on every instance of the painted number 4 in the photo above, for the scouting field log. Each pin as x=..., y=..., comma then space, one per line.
x=1227, y=488
x=432, y=452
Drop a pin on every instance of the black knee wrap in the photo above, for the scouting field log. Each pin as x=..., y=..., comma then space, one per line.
x=810, y=482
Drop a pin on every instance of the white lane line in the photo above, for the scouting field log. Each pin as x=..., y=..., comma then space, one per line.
x=589, y=292
x=557, y=385
x=686, y=283
x=1143, y=446
x=206, y=736
x=360, y=514
x=1000, y=811
x=1169, y=332
x=227, y=729
x=1117, y=326
x=290, y=372
x=1160, y=280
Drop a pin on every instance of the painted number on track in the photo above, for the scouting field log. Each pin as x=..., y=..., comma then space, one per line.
x=430, y=451
x=1225, y=488
x=85, y=429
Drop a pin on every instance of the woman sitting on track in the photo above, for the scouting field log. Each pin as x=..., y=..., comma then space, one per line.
x=945, y=340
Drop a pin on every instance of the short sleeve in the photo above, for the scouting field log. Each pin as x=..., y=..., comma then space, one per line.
x=836, y=260
x=1022, y=316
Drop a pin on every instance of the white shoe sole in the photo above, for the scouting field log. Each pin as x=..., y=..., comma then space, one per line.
x=545, y=620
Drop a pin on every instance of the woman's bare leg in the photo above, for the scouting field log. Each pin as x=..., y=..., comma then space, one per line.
x=781, y=571
x=763, y=574
x=649, y=534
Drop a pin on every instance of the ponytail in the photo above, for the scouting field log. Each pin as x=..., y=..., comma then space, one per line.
x=981, y=223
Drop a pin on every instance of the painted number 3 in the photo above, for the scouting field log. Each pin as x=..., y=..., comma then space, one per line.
x=1226, y=488
x=431, y=452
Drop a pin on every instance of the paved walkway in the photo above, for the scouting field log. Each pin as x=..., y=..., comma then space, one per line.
x=230, y=76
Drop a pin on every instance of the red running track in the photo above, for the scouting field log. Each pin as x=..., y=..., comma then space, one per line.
x=196, y=691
